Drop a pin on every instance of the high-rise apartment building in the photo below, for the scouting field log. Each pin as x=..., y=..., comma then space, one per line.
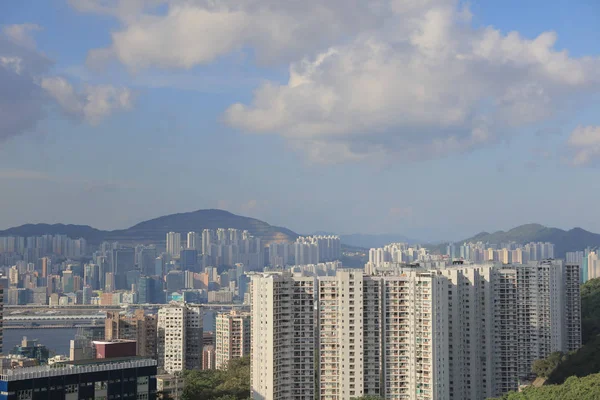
x=137, y=326
x=173, y=244
x=316, y=249
x=283, y=337
x=180, y=338
x=232, y=337
x=415, y=337
x=194, y=241
x=459, y=332
x=349, y=335
x=1, y=317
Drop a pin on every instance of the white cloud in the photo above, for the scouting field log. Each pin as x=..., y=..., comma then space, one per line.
x=22, y=33
x=380, y=79
x=584, y=143
x=436, y=88
x=28, y=87
x=194, y=32
x=93, y=103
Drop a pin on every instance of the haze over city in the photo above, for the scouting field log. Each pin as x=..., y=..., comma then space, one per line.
x=435, y=119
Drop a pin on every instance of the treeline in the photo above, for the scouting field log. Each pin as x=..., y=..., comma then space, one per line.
x=574, y=388
x=230, y=384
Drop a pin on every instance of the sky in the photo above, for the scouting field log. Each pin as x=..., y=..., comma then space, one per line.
x=436, y=119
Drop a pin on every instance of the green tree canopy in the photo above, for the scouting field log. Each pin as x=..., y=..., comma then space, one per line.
x=230, y=384
x=587, y=388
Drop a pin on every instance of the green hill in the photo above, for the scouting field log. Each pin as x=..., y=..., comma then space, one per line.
x=572, y=240
x=155, y=230
x=587, y=388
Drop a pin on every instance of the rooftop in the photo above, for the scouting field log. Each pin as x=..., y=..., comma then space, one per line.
x=75, y=367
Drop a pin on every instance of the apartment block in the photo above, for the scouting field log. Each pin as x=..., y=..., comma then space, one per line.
x=415, y=336
x=349, y=338
x=232, y=337
x=180, y=338
x=283, y=337
x=137, y=326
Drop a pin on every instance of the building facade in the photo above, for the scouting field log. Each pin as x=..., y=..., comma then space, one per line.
x=466, y=331
x=117, y=378
x=283, y=337
x=349, y=339
x=180, y=338
x=137, y=326
x=232, y=337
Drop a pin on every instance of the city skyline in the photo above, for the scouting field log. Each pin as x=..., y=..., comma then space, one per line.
x=291, y=122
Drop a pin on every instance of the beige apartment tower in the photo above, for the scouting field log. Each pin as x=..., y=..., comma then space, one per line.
x=232, y=338
x=180, y=340
x=283, y=337
x=137, y=326
x=349, y=335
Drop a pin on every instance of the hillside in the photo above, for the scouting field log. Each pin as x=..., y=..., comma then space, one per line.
x=572, y=240
x=587, y=388
x=155, y=230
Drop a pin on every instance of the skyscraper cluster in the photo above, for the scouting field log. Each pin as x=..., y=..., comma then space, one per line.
x=227, y=247
x=30, y=249
x=506, y=253
x=316, y=249
x=460, y=332
x=398, y=253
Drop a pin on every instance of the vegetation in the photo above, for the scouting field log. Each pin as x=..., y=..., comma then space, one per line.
x=590, y=310
x=587, y=388
x=546, y=366
x=230, y=384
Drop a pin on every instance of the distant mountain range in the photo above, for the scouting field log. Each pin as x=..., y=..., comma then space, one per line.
x=155, y=230
x=572, y=240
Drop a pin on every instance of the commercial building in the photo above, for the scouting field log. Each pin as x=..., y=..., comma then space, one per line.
x=173, y=244
x=232, y=337
x=180, y=338
x=116, y=378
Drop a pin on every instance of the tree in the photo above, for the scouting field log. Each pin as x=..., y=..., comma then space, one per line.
x=545, y=366
x=590, y=310
x=230, y=384
x=574, y=388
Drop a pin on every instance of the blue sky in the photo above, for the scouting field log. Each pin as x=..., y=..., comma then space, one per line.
x=431, y=120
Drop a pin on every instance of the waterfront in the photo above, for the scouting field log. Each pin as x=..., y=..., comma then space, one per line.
x=57, y=340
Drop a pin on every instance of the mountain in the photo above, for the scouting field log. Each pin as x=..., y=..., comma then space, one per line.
x=367, y=241
x=155, y=230
x=572, y=240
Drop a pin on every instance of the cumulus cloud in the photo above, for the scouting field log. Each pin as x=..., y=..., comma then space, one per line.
x=93, y=103
x=584, y=143
x=442, y=87
x=22, y=33
x=380, y=79
x=21, y=98
x=28, y=87
x=194, y=32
